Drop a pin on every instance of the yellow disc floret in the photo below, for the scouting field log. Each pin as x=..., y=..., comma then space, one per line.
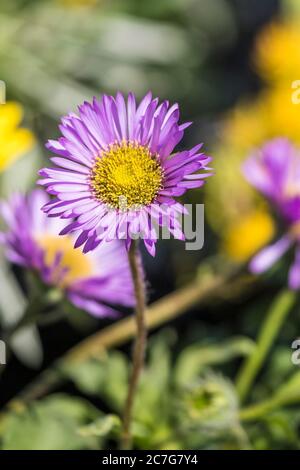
x=73, y=265
x=127, y=176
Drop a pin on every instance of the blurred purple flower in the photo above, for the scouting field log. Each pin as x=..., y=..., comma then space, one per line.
x=274, y=171
x=115, y=173
x=92, y=282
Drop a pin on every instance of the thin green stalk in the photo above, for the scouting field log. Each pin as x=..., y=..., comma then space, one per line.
x=259, y=410
x=268, y=333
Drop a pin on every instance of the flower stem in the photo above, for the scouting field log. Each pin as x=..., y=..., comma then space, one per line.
x=140, y=341
x=268, y=333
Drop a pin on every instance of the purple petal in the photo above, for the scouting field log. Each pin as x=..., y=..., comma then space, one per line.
x=294, y=273
x=269, y=255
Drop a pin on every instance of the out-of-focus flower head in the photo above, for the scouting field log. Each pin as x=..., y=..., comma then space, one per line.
x=276, y=53
x=235, y=211
x=116, y=174
x=93, y=282
x=14, y=140
x=274, y=171
x=208, y=405
x=271, y=114
x=231, y=203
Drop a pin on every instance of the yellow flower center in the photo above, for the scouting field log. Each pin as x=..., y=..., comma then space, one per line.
x=127, y=176
x=73, y=264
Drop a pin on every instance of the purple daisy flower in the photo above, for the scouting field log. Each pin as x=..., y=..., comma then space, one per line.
x=92, y=282
x=275, y=172
x=115, y=176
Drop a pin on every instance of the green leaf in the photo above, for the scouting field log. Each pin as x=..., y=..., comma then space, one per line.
x=116, y=380
x=106, y=377
x=195, y=358
x=287, y=394
x=51, y=424
x=153, y=391
x=280, y=367
x=102, y=427
x=88, y=376
x=290, y=391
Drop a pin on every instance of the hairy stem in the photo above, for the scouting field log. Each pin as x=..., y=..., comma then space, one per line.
x=140, y=342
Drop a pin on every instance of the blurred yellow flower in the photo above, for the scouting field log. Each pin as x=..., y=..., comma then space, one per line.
x=276, y=53
x=281, y=115
x=271, y=114
x=231, y=203
x=245, y=127
x=14, y=141
x=229, y=195
x=250, y=233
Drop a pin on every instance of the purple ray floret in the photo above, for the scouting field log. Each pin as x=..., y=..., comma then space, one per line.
x=117, y=173
x=274, y=171
x=99, y=282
